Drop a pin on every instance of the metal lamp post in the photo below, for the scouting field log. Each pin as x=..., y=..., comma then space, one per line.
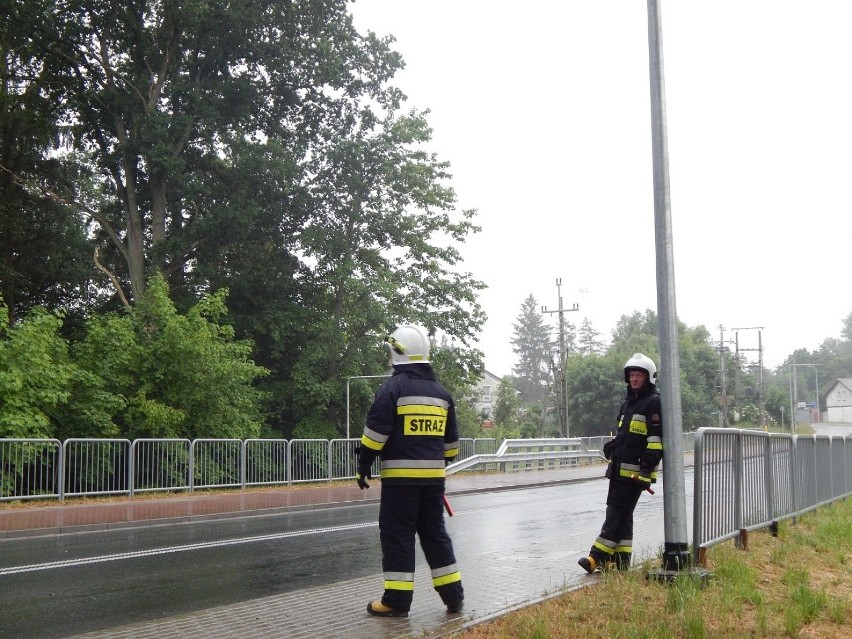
x=676, y=558
x=816, y=381
x=794, y=399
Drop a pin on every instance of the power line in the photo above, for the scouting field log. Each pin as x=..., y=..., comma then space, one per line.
x=562, y=395
x=761, y=392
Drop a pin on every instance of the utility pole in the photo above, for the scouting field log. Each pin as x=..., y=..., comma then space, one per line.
x=737, y=412
x=723, y=385
x=761, y=395
x=794, y=396
x=560, y=372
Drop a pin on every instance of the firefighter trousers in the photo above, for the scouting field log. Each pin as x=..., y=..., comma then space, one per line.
x=615, y=543
x=406, y=511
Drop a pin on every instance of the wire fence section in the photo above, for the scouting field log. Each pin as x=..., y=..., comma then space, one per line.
x=79, y=467
x=746, y=480
x=53, y=469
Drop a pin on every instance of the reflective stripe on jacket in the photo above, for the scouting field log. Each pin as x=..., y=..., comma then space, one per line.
x=638, y=445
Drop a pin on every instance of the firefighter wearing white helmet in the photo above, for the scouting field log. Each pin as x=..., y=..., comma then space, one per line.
x=642, y=363
x=633, y=455
x=408, y=345
x=412, y=427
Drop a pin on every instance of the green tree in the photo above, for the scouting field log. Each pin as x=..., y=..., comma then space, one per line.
x=636, y=333
x=383, y=251
x=43, y=248
x=258, y=147
x=846, y=331
x=699, y=371
x=35, y=374
x=777, y=400
x=595, y=390
x=175, y=375
x=507, y=407
x=458, y=370
x=531, y=422
x=587, y=339
x=531, y=346
x=596, y=384
x=196, y=113
x=834, y=359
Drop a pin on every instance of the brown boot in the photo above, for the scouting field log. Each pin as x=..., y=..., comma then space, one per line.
x=378, y=609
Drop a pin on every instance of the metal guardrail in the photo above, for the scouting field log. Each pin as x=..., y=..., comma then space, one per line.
x=541, y=454
x=531, y=454
x=747, y=480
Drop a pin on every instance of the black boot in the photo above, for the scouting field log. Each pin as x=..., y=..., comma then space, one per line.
x=622, y=560
x=378, y=609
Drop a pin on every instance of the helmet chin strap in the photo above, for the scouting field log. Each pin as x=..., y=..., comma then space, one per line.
x=398, y=348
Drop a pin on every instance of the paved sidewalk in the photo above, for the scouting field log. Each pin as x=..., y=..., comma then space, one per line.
x=323, y=612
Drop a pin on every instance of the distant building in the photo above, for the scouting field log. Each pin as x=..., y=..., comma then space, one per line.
x=838, y=401
x=487, y=387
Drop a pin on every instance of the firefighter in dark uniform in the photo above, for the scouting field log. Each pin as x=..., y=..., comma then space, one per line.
x=633, y=455
x=412, y=427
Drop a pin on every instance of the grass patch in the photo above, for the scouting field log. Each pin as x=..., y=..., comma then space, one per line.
x=796, y=585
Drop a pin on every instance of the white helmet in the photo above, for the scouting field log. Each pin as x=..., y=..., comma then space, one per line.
x=643, y=363
x=408, y=344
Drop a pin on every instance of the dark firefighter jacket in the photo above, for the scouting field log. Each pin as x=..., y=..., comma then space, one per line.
x=637, y=449
x=412, y=427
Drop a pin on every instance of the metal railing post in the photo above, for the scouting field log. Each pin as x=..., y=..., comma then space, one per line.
x=769, y=478
x=697, y=498
x=243, y=463
x=738, y=487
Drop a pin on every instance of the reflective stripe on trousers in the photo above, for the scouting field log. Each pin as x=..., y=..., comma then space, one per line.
x=407, y=512
x=617, y=530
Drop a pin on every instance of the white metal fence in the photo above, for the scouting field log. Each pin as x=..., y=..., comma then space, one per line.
x=53, y=469
x=746, y=480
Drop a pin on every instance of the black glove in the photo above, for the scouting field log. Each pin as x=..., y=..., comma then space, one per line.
x=607, y=449
x=362, y=476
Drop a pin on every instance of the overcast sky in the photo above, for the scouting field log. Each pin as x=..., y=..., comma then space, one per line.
x=542, y=109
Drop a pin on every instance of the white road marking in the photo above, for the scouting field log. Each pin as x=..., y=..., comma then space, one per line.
x=175, y=549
